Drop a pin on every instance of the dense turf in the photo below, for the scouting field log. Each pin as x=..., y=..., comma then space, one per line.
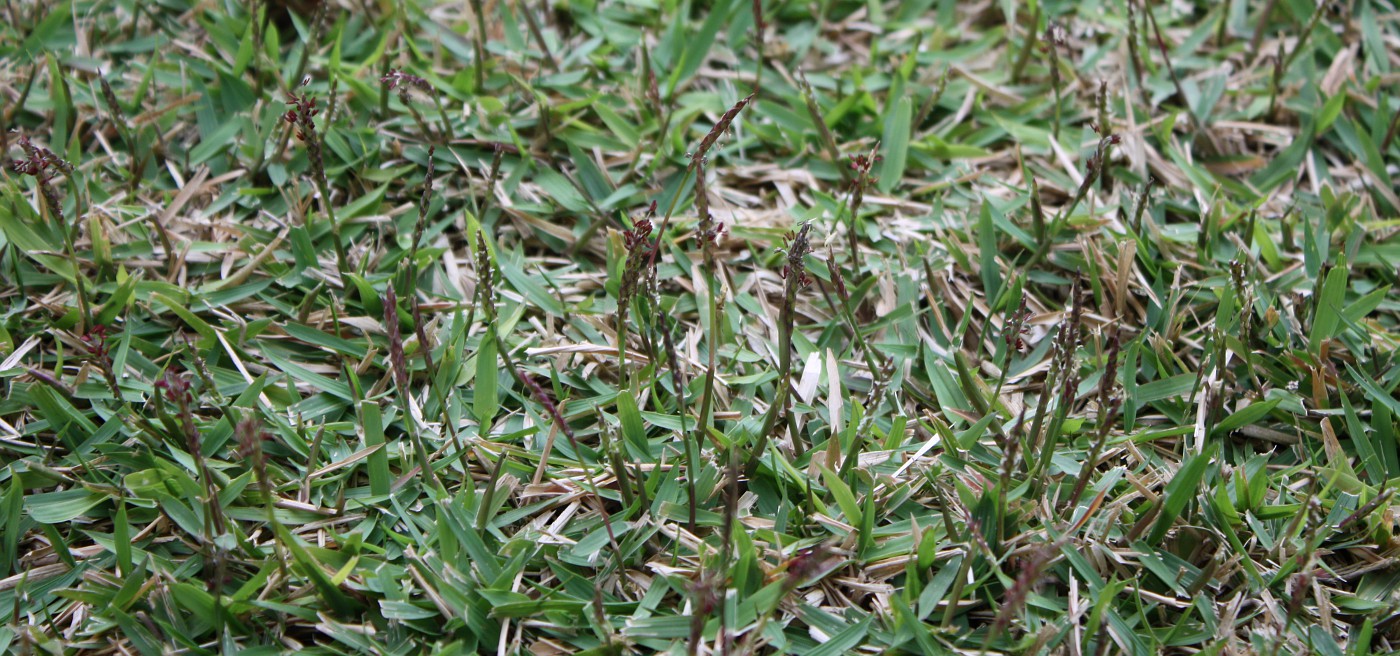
x=737, y=327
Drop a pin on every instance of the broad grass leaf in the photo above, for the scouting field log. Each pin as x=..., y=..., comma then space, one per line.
x=896, y=144
x=1180, y=491
x=62, y=506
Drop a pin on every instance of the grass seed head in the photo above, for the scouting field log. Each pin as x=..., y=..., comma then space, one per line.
x=397, y=79
x=719, y=128
x=176, y=389
x=795, y=271
x=40, y=163
x=397, y=362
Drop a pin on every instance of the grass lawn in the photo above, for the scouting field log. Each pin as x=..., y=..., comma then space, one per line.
x=733, y=327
